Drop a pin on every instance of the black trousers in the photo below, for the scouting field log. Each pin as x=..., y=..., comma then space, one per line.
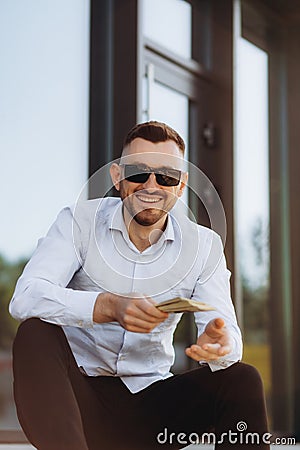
x=59, y=408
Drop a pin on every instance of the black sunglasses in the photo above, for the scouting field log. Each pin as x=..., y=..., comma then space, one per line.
x=163, y=175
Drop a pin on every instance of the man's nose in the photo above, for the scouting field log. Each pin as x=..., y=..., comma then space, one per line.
x=151, y=182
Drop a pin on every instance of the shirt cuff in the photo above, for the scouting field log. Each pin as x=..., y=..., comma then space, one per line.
x=220, y=364
x=80, y=307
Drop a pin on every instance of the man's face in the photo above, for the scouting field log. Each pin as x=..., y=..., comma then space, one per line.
x=148, y=202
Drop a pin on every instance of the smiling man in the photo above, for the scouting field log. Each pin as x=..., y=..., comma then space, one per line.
x=148, y=197
x=93, y=354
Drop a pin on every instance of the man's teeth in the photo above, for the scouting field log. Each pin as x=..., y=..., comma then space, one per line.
x=148, y=199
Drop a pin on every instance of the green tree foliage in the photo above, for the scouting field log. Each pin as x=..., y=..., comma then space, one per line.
x=9, y=273
x=256, y=314
x=255, y=285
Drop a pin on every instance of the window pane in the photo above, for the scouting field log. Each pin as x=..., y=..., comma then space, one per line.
x=44, y=115
x=252, y=201
x=171, y=107
x=169, y=23
x=44, y=49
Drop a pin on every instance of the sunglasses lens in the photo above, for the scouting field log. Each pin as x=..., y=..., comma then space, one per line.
x=134, y=174
x=167, y=180
x=138, y=177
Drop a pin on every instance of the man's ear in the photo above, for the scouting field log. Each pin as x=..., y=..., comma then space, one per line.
x=115, y=173
x=183, y=183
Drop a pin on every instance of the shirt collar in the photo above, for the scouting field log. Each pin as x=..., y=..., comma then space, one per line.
x=116, y=222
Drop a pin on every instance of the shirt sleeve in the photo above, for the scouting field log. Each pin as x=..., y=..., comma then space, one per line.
x=213, y=287
x=42, y=290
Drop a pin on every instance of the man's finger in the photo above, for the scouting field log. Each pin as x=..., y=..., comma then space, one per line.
x=218, y=349
x=209, y=352
x=135, y=324
x=134, y=313
x=149, y=308
x=219, y=323
x=212, y=347
x=201, y=355
x=224, y=350
x=215, y=328
x=206, y=349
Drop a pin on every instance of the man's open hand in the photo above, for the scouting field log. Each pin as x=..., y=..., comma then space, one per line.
x=134, y=312
x=213, y=343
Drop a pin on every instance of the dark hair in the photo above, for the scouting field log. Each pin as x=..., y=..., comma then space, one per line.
x=154, y=131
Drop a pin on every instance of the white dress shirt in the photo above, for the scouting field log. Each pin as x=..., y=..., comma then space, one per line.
x=88, y=251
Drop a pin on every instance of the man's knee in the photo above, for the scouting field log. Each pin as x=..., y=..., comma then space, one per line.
x=32, y=334
x=29, y=326
x=246, y=372
x=244, y=378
